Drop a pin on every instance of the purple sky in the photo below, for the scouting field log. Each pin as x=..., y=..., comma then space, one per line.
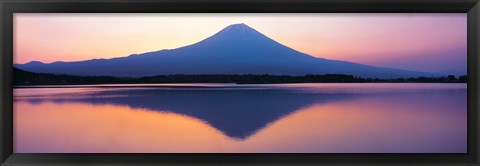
x=423, y=42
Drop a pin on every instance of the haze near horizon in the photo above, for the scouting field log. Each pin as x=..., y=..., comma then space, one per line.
x=420, y=42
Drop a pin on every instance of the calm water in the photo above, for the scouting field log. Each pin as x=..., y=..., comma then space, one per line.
x=217, y=118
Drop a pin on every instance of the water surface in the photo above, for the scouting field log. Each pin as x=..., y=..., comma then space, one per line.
x=223, y=118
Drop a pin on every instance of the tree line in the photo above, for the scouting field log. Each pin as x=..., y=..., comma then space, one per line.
x=21, y=77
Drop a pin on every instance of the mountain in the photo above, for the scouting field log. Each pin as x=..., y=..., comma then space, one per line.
x=236, y=49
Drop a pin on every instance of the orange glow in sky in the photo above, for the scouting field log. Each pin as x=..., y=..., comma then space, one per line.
x=406, y=41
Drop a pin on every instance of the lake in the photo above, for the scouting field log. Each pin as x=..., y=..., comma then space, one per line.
x=236, y=118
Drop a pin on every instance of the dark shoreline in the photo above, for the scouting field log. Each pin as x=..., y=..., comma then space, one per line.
x=25, y=78
x=59, y=86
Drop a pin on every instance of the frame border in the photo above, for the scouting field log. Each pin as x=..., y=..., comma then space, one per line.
x=9, y=7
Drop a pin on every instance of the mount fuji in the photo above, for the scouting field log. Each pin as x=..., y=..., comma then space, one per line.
x=236, y=49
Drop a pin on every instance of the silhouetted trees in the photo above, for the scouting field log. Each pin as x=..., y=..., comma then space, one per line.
x=22, y=77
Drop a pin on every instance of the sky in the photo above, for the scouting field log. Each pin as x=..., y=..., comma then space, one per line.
x=429, y=42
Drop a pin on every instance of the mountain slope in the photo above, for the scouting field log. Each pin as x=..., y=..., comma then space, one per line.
x=237, y=49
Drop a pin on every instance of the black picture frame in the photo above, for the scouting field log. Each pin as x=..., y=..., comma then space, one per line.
x=9, y=7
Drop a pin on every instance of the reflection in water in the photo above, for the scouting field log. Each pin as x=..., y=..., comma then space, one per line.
x=325, y=118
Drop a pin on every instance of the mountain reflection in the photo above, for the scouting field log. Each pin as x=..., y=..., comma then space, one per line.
x=238, y=112
x=287, y=118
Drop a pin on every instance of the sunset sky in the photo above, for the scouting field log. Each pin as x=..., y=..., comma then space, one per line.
x=422, y=42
